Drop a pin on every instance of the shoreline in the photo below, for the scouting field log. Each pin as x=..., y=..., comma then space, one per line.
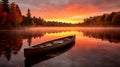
x=62, y=28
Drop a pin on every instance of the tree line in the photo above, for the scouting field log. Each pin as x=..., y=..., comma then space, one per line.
x=11, y=16
x=105, y=20
x=35, y=22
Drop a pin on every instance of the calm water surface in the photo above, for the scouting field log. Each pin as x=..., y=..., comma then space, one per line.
x=94, y=47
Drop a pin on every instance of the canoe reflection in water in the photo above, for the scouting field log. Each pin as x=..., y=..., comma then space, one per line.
x=45, y=55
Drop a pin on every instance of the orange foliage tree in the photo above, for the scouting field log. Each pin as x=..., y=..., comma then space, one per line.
x=15, y=11
x=11, y=18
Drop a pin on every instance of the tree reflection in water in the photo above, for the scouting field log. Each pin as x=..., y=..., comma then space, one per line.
x=107, y=35
x=11, y=43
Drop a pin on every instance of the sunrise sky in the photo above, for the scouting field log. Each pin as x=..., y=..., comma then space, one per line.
x=72, y=11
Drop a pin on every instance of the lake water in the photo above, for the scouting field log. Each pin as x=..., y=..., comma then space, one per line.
x=94, y=47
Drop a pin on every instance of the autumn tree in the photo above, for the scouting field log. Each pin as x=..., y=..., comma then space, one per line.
x=5, y=5
x=1, y=14
x=17, y=16
x=110, y=17
x=1, y=7
x=116, y=19
x=10, y=14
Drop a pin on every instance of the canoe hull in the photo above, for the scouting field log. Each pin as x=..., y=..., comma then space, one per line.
x=42, y=51
x=30, y=61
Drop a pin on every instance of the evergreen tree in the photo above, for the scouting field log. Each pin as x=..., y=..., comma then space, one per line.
x=5, y=5
x=29, y=14
x=29, y=19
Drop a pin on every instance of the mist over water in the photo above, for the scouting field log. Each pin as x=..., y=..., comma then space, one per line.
x=94, y=47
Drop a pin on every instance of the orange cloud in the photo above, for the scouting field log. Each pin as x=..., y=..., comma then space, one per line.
x=73, y=11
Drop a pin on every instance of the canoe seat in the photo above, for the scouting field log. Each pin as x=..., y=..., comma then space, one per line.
x=41, y=46
x=67, y=39
x=58, y=42
x=48, y=44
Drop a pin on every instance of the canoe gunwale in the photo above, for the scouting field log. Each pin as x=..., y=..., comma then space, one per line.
x=30, y=52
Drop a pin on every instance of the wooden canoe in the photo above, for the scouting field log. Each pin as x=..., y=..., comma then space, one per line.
x=30, y=61
x=49, y=46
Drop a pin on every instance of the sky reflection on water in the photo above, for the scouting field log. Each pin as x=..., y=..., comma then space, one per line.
x=93, y=47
